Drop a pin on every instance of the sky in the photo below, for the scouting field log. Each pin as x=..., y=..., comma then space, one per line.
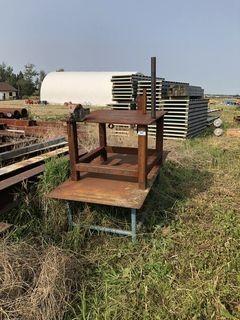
x=195, y=41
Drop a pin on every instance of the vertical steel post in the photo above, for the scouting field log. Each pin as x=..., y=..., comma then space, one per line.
x=142, y=156
x=134, y=224
x=73, y=147
x=70, y=215
x=153, y=87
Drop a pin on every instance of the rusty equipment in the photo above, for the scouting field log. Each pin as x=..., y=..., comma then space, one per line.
x=113, y=175
x=78, y=112
x=13, y=113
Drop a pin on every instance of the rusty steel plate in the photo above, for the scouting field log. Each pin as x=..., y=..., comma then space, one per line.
x=123, y=117
x=106, y=189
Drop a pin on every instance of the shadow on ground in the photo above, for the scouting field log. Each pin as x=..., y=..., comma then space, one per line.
x=176, y=185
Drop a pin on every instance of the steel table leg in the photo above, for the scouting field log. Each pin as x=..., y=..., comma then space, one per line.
x=134, y=224
x=132, y=233
x=70, y=214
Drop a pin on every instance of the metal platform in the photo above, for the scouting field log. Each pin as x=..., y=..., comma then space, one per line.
x=107, y=189
x=133, y=117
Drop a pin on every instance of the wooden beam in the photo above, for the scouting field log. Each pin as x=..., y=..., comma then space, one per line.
x=107, y=169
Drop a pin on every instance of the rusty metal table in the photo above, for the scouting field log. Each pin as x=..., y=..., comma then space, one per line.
x=109, y=190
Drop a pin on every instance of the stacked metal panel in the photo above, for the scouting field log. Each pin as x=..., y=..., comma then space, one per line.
x=186, y=108
x=184, y=90
x=162, y=87
x=185, y=118
x=125, y=90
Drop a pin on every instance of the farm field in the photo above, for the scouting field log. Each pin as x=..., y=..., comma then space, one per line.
x=185, y=264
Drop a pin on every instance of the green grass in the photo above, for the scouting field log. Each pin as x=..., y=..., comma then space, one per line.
x=186, y=262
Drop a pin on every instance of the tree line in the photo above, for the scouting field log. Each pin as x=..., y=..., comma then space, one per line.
x=27, y=82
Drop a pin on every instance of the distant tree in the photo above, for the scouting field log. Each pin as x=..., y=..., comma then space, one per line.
x=19, y=84
x=7, y=74
x=28, y=82
x=39, y=80
x=30, y=73
x=60, y=70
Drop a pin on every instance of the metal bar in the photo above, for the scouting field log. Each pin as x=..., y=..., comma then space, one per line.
x=153, y=87
x=127, y=150
x=88, y=157
x=133, y=224
x=142, y=157
x=103, y=140
x=107, y=169
x=12, y=168
x=70, y=215
x=159, y=137
x=153, y=162
x=32, y=148
x=73, y=148
x=21, y=177
x=10, y=145
x=132, y=233
x=111, y=230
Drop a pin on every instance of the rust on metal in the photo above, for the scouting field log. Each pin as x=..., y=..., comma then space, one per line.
x=134, y=117
x=28, y=162
x=16, y=113
x=21, y=177
x=106, y=189
x=153, y=87
x=114, y=175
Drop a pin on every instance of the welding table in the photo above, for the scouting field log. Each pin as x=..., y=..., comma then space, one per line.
x=112, y=175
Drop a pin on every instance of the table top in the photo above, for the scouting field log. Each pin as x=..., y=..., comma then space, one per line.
x=134, y=117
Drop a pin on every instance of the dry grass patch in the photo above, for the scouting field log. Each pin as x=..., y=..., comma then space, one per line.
x=35, y=281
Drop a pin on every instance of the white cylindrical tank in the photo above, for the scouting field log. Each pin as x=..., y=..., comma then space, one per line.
x=93, y=88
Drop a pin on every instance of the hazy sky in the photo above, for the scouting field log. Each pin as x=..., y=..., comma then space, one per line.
x=196, y=41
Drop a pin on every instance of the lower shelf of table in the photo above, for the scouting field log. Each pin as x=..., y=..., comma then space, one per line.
x=106, y=189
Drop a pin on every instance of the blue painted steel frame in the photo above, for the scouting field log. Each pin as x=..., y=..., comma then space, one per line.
x=132, y=233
